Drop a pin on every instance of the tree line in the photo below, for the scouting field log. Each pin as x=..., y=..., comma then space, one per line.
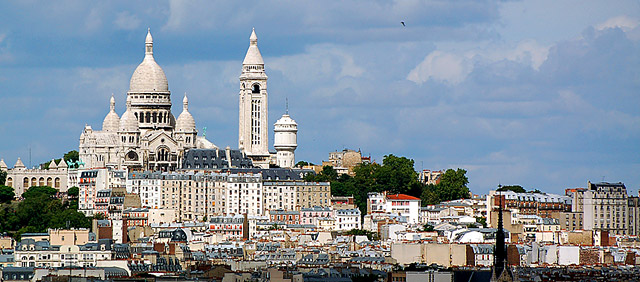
x=38, y=211
x=395, y=175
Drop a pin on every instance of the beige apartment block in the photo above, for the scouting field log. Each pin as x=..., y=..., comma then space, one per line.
x=68, y=236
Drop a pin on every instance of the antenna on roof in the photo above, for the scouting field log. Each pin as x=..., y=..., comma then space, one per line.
x=286, y=102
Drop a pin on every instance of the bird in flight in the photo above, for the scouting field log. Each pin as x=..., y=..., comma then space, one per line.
x=402, y=23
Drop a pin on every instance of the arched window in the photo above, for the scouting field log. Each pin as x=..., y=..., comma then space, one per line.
x=136, y=114
x=34, y=181
x=57, y=182
x=132, y=156
x=49, y=182
x=155, y=117
x=25, y=183
x=256, y=88
x=148, y=117
x=10, y=182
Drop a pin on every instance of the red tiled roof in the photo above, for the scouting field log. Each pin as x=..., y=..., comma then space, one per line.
x=401, y=197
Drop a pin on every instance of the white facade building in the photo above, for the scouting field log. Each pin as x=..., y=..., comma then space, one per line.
x=397, y=204
x=149, y=189
x=20, y=178
x=244, y=195
x=147, y=136
x=93, y=180
x=279, y=195
x=347, y=219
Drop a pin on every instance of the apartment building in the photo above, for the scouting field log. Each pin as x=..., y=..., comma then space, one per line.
x=606, y=208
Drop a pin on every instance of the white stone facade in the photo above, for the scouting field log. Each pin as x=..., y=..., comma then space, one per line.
x=244, y=195
x=347, y=219
x=253, y=135
x=147, y=136
x=21, y=178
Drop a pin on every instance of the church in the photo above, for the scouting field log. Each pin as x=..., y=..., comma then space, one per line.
x=148, y=136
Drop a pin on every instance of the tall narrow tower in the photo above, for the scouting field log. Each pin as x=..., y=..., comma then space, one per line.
x=501, y=271
x=253, y=135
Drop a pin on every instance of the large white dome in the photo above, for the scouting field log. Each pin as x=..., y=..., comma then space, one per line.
x=148, y=76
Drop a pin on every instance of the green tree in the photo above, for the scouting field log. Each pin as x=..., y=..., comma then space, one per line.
x=327, y=174
x=6, y=194
x=73, y=192
x=398, y=176
x=453, y=185
x=3, y=177
x=302, y=163
x=514, y=188
x=71, y=156
x=38, y=191
x=371, y=236
x=482, y=220
x=428, y=228
x=429, y=195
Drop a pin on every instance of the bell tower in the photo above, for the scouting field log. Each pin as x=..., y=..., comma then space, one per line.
x=253, y=135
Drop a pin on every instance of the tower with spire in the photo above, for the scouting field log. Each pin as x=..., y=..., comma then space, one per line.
x=253, y=135
x=501, y=271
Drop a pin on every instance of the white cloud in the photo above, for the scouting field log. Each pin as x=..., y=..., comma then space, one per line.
x=529, y=52
x=443, y=67
x=624, y=22
x=127, y=21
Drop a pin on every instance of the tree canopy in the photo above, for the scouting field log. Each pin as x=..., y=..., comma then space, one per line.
x=73, y=191
x=395, y=175
x=452, y=186
x=40, y=211
x=514, y=188
x=3, y=177
x=302, y=163
x=39, y=191
x=6, y=194
x=71, y=156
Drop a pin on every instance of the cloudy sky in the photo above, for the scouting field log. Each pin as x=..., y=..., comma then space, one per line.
x=545, y=94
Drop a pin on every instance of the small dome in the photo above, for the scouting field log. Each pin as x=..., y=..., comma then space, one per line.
x=128, y=122
x=112, y=120
x=285, y=120
x=185, y=121
x=148, y=76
